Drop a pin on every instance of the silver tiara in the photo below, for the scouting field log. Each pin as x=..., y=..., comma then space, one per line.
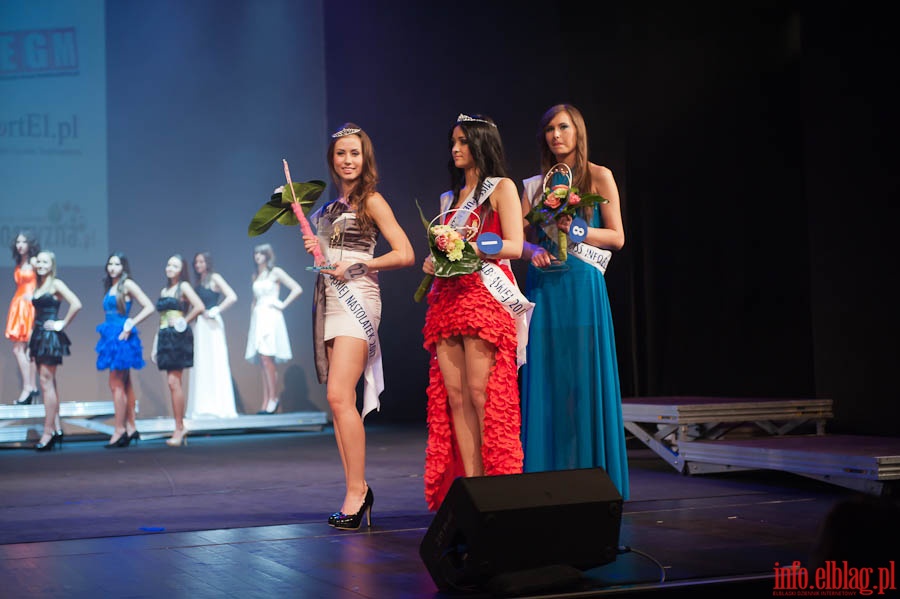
x=464, y=118
x=345, y=132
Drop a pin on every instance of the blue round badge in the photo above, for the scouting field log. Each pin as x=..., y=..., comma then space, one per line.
x=490, y=243
x=578, y=230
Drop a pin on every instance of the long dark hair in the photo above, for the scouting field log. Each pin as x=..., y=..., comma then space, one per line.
x=33, y=246
x=210, y=269
x=486, y=148
x=120, y=285
x=368, y=178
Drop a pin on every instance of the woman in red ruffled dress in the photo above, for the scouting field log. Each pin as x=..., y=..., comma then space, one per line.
x=473, y=396
x=20, y=318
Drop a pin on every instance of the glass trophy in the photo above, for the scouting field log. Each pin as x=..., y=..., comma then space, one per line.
x=331, y=240
x=558, y=176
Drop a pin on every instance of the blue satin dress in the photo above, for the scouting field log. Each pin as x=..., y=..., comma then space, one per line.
x=571, y=400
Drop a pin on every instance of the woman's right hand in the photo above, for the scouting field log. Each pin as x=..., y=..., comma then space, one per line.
x=539, y=256
x=428, y=265
x=310, y=242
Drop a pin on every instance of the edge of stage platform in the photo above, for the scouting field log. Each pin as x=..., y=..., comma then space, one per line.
x=705, y=435
x=86, y=416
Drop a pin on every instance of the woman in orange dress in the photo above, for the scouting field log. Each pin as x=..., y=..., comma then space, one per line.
x=20, y=320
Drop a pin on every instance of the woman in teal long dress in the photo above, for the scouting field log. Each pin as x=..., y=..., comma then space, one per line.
x=571, y=399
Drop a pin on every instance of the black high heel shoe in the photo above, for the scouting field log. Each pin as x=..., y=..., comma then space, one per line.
x=59, y=438
x=134, y=437
x=122, y=441
x=27, y=399
x=353, y=521
x=49, y=444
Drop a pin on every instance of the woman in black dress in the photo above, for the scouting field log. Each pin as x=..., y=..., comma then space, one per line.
x=49, y=343
x=178, y=305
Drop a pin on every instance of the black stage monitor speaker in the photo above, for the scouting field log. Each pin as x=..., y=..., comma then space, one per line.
x=493, y=525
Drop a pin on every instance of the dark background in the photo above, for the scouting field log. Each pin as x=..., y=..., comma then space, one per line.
x=752, y=143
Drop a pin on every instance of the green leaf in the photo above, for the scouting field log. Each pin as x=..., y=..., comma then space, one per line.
x=278, y=208
x=266, y=216
x=444, y=267
x=593, y=199
x=425, y=221
x=305, y=193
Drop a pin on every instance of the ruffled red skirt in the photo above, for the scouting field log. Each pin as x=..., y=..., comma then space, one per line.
x=463, y=306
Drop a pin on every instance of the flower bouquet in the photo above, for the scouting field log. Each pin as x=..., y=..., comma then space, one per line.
x=451, y=249
x=560, y=198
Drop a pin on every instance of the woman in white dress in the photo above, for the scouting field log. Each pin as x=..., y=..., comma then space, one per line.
x=267, y=341
x=211, y=393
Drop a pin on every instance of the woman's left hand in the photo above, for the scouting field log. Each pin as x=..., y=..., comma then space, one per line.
x=338, y=271
x=53, y=325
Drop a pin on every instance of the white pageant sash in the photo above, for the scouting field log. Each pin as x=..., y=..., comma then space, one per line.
x=470, y=203
x=373, y=376
x=517, y=305
x=596, y=257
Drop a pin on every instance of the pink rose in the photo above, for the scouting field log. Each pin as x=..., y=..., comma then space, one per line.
x=552, y=202
x=441, y=242
x=574, y=199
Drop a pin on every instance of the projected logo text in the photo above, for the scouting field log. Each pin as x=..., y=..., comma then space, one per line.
x=38, y=53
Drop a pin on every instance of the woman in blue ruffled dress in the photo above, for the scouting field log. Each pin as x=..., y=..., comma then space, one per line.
x=119, y=347
x=571, y=400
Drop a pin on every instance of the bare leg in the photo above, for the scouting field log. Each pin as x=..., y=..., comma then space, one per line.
x=479, y=361
x=173, y=377
x=329, y=345
x=465, y=364
x=452, y=362
x=347, y=360
x=27, y=369
x=117, y=380
x=131, y=404
x=270, y=381
x=47, y=373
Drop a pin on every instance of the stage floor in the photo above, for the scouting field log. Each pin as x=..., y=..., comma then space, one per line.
x=244, y=515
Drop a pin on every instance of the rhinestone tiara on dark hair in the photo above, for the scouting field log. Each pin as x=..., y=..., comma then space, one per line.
x=464, y=118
